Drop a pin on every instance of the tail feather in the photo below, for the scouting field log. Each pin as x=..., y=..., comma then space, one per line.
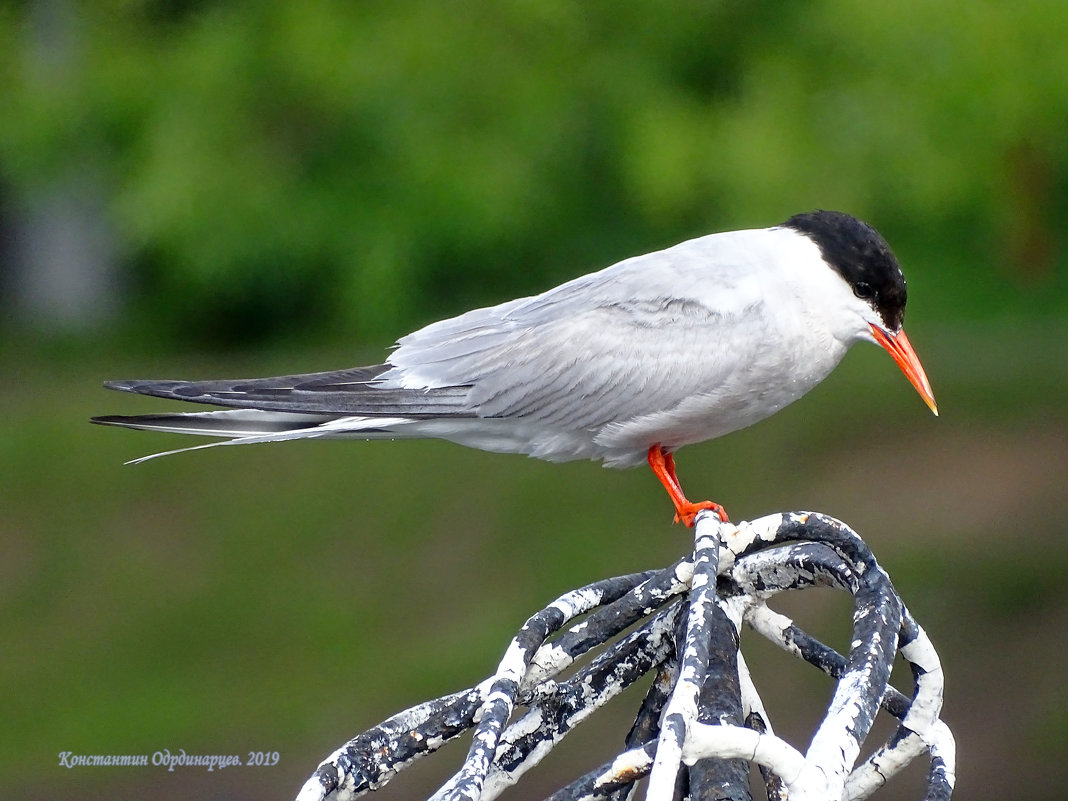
x=228, y=423
x=250, y=426
x=350, y=403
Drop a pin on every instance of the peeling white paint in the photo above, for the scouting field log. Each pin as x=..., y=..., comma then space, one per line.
x=527, y=672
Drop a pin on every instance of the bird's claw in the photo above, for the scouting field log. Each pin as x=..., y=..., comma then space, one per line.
x=687, y=514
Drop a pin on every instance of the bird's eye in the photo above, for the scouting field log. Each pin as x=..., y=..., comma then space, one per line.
x=864, y=291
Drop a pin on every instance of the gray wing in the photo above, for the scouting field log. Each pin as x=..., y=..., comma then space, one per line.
x=635, y=339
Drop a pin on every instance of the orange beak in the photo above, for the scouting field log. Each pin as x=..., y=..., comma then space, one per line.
x=900, y=349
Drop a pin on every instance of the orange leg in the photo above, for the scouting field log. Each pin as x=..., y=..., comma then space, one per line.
x=663, y=465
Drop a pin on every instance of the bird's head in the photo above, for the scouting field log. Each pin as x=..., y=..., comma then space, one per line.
x=860, y=255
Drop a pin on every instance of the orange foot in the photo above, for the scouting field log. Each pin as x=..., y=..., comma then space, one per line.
x=663, y=465
x=687, y=513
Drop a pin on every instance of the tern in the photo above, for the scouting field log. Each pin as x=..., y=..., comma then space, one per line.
x=625, y=365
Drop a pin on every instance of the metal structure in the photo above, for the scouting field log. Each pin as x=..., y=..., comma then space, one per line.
x=702, y=722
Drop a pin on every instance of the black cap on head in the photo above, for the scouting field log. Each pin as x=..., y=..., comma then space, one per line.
x=861, y=256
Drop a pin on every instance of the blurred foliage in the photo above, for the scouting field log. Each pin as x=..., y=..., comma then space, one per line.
x=360, y=168
x=341, y=172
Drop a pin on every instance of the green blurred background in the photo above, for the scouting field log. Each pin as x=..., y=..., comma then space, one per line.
x=195, y=189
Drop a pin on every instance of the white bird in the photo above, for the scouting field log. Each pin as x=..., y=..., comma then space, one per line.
x=623, y=365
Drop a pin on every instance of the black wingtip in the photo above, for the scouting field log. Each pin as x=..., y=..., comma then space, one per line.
x=157, y=388
x=122, y=385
